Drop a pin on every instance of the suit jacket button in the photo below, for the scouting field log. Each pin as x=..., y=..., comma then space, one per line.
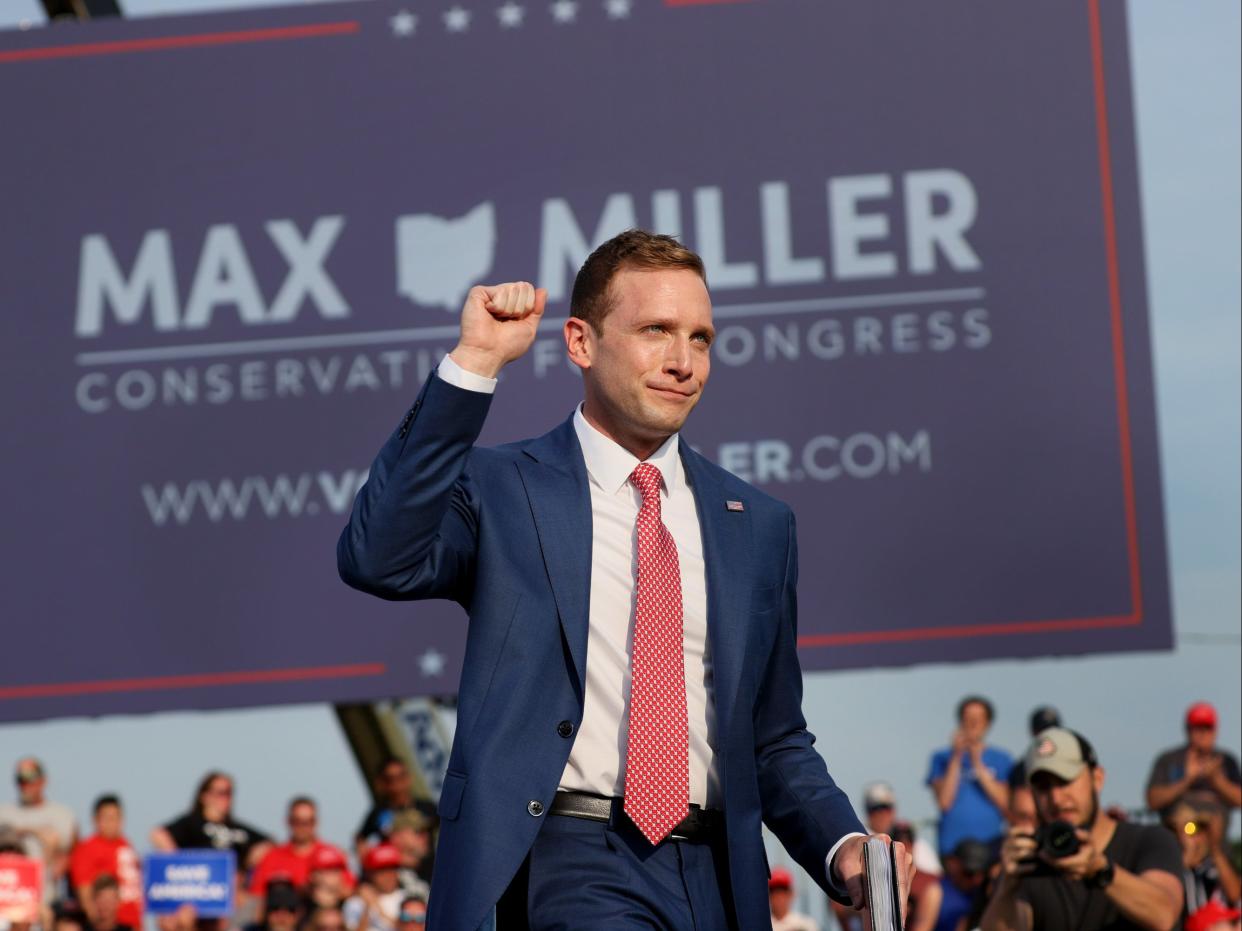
x=534, y=808
x=565, y=728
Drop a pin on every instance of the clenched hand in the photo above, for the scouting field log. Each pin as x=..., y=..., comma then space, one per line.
x=498, y=324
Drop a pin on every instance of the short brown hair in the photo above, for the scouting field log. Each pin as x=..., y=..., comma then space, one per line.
x=105, y=881
x=591, y=299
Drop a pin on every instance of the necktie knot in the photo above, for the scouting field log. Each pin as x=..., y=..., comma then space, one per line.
x=646, y=478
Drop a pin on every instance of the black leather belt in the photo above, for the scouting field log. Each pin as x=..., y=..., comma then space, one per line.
x=701, y=825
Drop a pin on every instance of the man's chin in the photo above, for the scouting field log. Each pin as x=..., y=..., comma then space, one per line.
x=667, y=426
x=660, y=420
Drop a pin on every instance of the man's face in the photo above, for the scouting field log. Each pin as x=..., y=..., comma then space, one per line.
x=395, y=783
x=107, y=902
x=413, y=915
x=961, y=877
x=1202, y=738
x=282, y=919
x=385, y=880
x=414, y=845
x=880, y=820
x=975, y=722
x=328, y=919
x=30, y=781
x=1022, y=813
x=302, y=824
x=328, y=885
x=1075, y=801
x=108, y=821
x=646, y=369
x=781, y=900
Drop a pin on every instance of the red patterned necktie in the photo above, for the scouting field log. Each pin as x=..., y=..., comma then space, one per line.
x=657, y=758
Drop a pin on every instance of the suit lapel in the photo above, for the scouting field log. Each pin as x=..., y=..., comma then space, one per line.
x=555, y=479
x=726, y=541
x=554, y=476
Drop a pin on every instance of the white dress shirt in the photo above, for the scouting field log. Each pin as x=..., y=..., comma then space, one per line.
x=597, y=759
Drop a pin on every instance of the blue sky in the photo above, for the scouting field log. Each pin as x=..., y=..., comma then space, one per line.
x=884, y=723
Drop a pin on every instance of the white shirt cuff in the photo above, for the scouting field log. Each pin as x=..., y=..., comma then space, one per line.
x=832, y=880
x=457, y=376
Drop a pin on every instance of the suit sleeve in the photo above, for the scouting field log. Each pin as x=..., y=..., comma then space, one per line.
x=802, y=805
x=413, y=529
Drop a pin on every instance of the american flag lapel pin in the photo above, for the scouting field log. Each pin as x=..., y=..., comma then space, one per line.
x=734, y=506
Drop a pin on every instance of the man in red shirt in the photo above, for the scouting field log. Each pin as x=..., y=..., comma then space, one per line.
x=108, y=853
x=292, y=861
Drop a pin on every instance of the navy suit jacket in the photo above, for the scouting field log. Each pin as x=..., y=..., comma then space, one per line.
x=506, y=533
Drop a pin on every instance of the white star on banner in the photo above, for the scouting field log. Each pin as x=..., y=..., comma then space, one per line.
x=457, y=19
x=403, y=23
x=431, y=663
x=618, y=9
x=510, y=15
x=565, y=11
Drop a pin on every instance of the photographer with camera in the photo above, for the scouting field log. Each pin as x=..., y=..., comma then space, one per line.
x=1081, y=868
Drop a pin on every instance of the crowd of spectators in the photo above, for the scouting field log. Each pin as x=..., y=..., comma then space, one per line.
x=301, y=884
x=1023, y=842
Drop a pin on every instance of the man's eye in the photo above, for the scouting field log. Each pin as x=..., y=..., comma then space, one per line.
x=654, y=328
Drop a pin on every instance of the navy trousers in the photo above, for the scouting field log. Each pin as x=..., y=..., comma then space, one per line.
x=584, y=874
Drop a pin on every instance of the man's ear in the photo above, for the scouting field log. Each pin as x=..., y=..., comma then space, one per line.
x=1097, y=778
x=579, y=342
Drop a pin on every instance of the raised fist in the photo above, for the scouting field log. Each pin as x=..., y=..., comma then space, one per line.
x=498, y=324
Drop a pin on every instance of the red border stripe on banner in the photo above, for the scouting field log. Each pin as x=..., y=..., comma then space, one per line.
x=203, y=680
x=188, y=41
x=1114, y=299
x=966, y=630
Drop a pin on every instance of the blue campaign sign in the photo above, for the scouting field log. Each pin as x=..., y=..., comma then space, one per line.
x=202, y=878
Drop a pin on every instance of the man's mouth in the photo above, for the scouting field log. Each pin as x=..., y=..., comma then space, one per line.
x=672, y=392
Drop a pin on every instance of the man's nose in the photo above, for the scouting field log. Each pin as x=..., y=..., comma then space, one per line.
x=1061, y=795
x=677, y=360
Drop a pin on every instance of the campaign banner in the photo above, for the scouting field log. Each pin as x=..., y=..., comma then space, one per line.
x=237, y=244
x=202, y=878
x=21, y=888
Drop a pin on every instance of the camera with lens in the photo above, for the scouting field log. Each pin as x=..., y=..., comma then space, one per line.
x=1057, y=840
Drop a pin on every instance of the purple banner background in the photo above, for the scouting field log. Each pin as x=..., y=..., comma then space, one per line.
x=235, y=245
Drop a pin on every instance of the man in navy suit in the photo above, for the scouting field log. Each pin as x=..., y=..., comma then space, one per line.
x=630, y=704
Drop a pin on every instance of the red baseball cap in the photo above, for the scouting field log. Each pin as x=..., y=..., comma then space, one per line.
x=781, y=879
x=1201, y=714
x=328, y=858
x=383, y=857
x=1210, y=914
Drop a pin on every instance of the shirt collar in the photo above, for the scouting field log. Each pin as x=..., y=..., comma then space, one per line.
x=609, y=465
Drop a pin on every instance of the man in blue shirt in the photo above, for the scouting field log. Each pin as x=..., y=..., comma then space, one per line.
x=969, y=779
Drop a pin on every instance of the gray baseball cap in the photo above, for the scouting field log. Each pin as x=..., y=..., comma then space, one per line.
x=1059, y=751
